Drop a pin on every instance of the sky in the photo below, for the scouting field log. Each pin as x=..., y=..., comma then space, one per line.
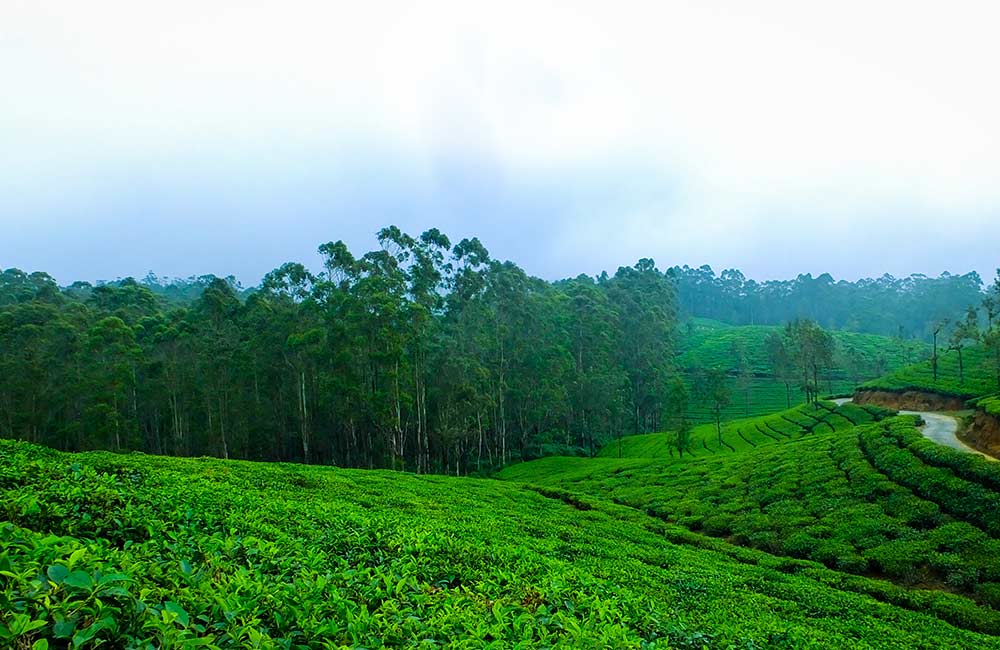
x=856, y=138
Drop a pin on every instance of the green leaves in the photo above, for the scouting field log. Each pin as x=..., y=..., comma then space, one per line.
x=263, y=555
x=174, y=612
x=22, y=624
x=79, y=580
x=57, y=573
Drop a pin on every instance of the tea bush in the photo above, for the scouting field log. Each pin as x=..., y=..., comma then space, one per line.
x=133, y=551
x=877, y=499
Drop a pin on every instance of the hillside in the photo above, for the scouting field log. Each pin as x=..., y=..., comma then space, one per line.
x=132, y=550
x=876, y=500
x=704, y=343
x=980, y=376
x=747, y=433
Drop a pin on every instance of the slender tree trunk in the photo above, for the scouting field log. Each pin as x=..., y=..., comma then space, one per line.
x=303, y=416
x=222, y=427
x=934, y=358
x=118, y=439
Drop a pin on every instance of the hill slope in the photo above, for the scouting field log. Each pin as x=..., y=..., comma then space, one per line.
x=873, y=500
x=748, y=433
x=135, y=551
x=979, y=376
x=704, y=343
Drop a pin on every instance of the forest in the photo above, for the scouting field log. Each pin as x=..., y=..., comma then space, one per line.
x=902, y=307
x=419, y=355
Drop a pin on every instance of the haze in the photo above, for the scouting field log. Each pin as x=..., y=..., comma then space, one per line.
x=187, y=138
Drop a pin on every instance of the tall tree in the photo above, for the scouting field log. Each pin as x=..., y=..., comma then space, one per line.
x=712, y=386
x=963, y=333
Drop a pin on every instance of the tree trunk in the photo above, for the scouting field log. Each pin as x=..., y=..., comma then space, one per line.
x=303, y=416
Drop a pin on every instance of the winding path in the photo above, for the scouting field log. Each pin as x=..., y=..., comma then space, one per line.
x=940, y=428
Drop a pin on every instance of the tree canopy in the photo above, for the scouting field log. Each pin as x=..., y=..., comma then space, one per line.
x=420, y=355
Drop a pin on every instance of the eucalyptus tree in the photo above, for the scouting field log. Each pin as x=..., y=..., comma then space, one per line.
x=418, y=355
x=592, y=325
x=776, y=346
x=812, y=350
x=712, y=387
x=112, y=355
x=644, y=302
x=991, y=336
x=964, y=333
x=678, y=405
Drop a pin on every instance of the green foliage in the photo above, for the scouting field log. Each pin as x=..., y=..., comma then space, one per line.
x=759, y=385
x=903, y=307
x=225, y=554
x=989, y=404
x=964, y=489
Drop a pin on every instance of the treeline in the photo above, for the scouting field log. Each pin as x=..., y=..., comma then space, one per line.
x=418, y=355
x=904, y=307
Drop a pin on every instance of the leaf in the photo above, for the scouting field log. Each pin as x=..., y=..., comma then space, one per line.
x=179, y=612
x=114, y=577
x=79, y=579
x=57, y=573
x=34, y=625
x=76, y=555
x=63, y=629
x=40, y=644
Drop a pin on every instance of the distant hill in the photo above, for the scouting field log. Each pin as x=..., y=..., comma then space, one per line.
x=704, y=343
x=979, y=375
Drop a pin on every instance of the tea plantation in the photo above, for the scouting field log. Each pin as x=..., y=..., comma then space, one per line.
x=133, y=551
x=705, y=343
x=978, y=377
x=749, y=433
x=875, y=500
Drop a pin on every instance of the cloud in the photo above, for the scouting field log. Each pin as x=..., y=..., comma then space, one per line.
x=578, y=136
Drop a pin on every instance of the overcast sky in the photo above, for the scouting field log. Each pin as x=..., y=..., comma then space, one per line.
x=184, y=137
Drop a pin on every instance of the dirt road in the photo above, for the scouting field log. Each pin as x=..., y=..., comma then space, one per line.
x=941, y=428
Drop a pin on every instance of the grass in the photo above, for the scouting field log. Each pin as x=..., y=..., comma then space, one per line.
x=979, y=379
x=874, y=500
x=135, y=551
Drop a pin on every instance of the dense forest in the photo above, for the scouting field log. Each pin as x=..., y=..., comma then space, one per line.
x=420, y=355
x=904, y=307
x=417, y=355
